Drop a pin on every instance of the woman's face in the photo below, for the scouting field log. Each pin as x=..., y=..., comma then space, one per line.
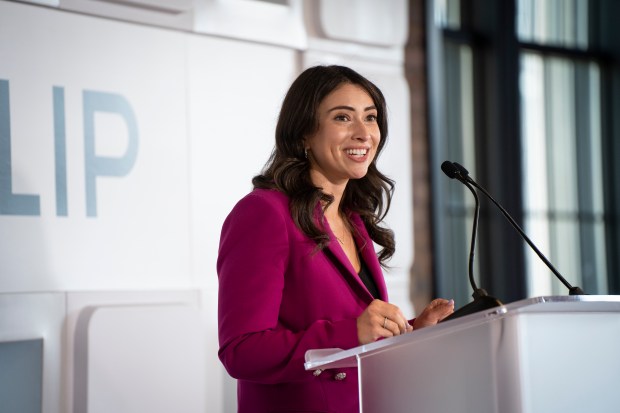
x=347, y=138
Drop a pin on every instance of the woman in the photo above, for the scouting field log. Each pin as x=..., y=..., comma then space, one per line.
x=297, y=267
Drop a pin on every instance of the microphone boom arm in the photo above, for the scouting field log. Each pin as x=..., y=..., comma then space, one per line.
x=463, y=174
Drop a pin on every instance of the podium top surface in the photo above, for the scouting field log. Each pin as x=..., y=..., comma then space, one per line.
x=338, y=358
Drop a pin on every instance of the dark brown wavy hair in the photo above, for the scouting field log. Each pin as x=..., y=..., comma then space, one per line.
x=288, y=169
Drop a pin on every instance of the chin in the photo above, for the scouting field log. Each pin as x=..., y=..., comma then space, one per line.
x=358, y=175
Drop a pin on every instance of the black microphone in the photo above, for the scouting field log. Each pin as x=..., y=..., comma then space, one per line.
x=461, y=172
x=482, y=301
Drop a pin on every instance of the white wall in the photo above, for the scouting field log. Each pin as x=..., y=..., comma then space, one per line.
x=133, y=130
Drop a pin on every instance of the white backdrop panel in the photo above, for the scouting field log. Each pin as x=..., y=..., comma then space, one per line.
x=235, y=94
x=382, y=23
x=140, y=234
x=256, y=21
x=139, y=358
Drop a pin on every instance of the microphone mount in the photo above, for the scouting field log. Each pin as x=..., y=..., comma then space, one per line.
x=482, y=301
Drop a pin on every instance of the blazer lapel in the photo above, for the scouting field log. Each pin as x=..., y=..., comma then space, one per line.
x=367, y=251
x=366, y=248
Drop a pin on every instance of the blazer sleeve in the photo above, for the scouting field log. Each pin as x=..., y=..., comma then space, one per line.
x=252, y=263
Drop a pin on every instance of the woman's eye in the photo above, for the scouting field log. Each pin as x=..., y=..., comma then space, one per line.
x=342, y=118
x=371, y=118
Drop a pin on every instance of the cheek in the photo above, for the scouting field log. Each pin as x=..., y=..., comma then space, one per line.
x=327, y=142
x=376, y=145
x=376, y=140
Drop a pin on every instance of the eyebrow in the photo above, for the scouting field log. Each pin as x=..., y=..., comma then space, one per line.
x=373, y=107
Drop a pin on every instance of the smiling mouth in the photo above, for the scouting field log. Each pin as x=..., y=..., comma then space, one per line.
x=357, y=152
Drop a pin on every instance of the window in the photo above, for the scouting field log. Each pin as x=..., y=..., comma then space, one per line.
x=562, y=171
x=525, y=94
x=561, y=124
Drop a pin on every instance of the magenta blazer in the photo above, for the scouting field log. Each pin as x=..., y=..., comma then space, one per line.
x=278, y=298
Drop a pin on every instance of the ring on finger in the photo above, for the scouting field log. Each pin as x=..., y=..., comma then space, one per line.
x=385, y=321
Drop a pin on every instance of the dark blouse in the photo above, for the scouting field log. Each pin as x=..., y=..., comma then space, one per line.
x=367, y=279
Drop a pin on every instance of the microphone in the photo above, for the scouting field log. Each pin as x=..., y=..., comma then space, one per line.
x=461, y=172
x=482, y=301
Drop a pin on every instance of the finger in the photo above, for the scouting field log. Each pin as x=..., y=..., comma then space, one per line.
x=440, y=302
x=384, y=328
x=399, y=319
x=391, y=326
x=397, y=322
x=405, y=326
x=441, y=311
x=403, y=322
x=447, y=309
x=409, y=327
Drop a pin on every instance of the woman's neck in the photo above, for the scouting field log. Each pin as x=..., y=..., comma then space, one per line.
x=335, y=189
x=333, y=210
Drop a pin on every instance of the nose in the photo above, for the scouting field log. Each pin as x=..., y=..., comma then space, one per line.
x=362, y=131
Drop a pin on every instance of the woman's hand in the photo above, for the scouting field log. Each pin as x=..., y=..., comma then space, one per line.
x=436, y=311
x=381, y=319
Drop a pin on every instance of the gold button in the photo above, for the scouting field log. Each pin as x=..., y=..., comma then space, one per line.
x=340, y=376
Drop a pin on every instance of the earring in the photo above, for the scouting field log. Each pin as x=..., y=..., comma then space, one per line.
x=306, y=152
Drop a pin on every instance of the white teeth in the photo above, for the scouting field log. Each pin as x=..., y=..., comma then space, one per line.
x=357, y=152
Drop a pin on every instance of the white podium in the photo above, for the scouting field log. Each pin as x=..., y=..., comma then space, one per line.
x=544, y=354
